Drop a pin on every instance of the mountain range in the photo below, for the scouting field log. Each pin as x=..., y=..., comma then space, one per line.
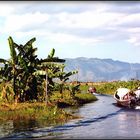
x=96, y=70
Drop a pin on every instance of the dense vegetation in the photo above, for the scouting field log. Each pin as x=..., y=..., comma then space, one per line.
x=29, y=77
x=111, y=87
x=32, y=88
x=25, y=79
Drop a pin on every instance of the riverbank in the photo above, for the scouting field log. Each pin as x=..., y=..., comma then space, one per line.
x=52, y=112
x=33, y=111
x=112, y=86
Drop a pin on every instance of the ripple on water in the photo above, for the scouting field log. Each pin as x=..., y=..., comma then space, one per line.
x=101, y=119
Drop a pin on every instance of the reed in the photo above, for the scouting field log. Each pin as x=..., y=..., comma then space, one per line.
x=32, y=111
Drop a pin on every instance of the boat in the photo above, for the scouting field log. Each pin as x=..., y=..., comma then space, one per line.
x=126, y=98
x=92, y=90
x=120, y=102
x=122, y=97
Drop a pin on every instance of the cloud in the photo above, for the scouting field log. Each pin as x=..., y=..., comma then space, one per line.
x=59, y=7
x=5, y=9
x=135, y=40
x=67, y=38
x=61, y=38
x=8, y=8
x=126, y=7
x=69, y=22
x=93, y=15
x=129, y=20
x=88, y=19
x=131, y=35
x=15, y=23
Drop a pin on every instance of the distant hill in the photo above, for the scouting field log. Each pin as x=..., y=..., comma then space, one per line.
x=95, y=70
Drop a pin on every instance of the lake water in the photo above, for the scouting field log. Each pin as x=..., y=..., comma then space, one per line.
x=101, y=119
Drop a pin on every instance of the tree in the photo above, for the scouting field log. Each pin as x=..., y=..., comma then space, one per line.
x=10, y=70
x=27, y=73
x=49, y=67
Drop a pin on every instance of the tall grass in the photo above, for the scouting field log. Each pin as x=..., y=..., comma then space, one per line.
x=32, y=111
x=111, y=87
x=85, y=98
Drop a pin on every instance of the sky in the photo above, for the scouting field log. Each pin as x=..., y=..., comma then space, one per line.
x=92, y=29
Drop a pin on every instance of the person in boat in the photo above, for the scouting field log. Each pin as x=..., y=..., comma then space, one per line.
x=125, y=94
x=92, y=90
x=137, y=93
x=133, y=99
x=122, y=93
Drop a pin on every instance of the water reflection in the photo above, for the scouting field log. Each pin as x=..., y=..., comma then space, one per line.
x=11, y=128
x=101, y=119
x=6, y=128
x=129, y=122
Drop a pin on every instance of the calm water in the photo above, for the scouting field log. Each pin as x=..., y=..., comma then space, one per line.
x=100, y=119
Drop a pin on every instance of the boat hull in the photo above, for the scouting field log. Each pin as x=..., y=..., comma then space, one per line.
x=125, y=103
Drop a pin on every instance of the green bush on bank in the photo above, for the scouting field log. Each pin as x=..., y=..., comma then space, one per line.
x=111, y=87
x=33, y=111
x=85, y=98
x=67, y=100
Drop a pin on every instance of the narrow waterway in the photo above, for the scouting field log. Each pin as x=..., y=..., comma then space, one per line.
x=100, y=119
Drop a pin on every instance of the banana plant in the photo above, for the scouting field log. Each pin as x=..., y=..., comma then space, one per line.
x=28, y=62
x=50, y=66
x=5, y=70
x=26, y=71
x=34, y=67
x=9, y=70
x=64, y=77
x=74, y=89
x=51, y=58
x=20, y=66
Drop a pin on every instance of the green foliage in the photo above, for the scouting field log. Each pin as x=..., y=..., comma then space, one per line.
x=68, y=100
x=6, y=92
x=27, y=73
x=111, y=87
x=33, y=111
x=63, y=78
x=85, y=98
x=3, y=60
x=74, y=89
x=51, y=55
x=65, y=100
x=12, y=51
